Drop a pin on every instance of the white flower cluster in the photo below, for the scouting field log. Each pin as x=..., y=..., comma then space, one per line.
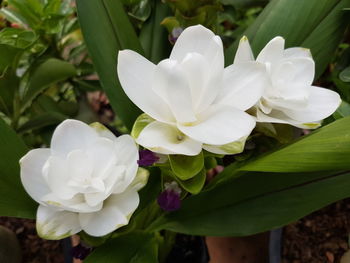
x=89, y=180
x=196, y=103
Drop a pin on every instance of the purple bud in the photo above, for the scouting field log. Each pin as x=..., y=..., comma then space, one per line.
x=147, y=158
x=175, y=33
x=81, y=251
x=169, y=199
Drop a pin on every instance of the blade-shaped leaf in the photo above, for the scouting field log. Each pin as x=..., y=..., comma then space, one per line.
x=14, y=200
x=134, y=248
x=107, y=30
x=255, y=203
x=314, y=24
x=325, y=149
x=153, y=36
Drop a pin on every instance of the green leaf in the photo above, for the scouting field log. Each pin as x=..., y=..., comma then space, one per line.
x=327, y=148
x=136, y=247
x=141, y=122
x=312, y=24
x=27, y=9
x=9, y=84
x=17, y=38
x=153, y=36
x=107, y=30
x=244, y=3
x=195, y=184
x=14, y=200
x=45, y=74
x=345, y=75
x=8, y=57
x=42, y=120
x=254, y=203
x=342, y=111
x=185, y=167
x=151, y=191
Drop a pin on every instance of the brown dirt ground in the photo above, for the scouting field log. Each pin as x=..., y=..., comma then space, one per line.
x=322, y=237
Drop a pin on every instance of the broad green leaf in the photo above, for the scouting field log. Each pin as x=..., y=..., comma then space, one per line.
x=45, y=74
x=254, y=203
x=106, y=30
x=153, y=36
x=14, y=200
x=327, y=148
x=135, y=247
x=185, y=167
x=314, y=24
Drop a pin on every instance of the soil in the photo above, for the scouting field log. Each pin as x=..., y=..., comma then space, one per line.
x=322, y=237
x=34, y=249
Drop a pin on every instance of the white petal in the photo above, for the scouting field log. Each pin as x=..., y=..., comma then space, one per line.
x=274, y=117
x=103, y=131
x=244, y=53
x=115, y=213
x=243, y=85
x=58, y=175
x=171, y=85
x=31, y=173
x=126, y=150
x=279, y=117
x=71, y=135
x=272, y=52
x=220, y=125
x=322, y=103
x=203, y=78
x=75, y=204
x=167, y=139
x=127, y=154
x=295, y=71
x=53, y=224
x=79, y=167
x=200, y=40
x=297, y=52
x=135, y=74
x=101, y=152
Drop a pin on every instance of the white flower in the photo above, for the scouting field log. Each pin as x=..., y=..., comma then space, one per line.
x=88, y=180
x=194, y=101
x=289, y=96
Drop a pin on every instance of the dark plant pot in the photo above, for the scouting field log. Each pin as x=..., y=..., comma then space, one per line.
x=275, y=246
x=67, y=250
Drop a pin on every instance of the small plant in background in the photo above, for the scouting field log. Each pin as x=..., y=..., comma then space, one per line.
x=215, y=118
x=45, y=67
